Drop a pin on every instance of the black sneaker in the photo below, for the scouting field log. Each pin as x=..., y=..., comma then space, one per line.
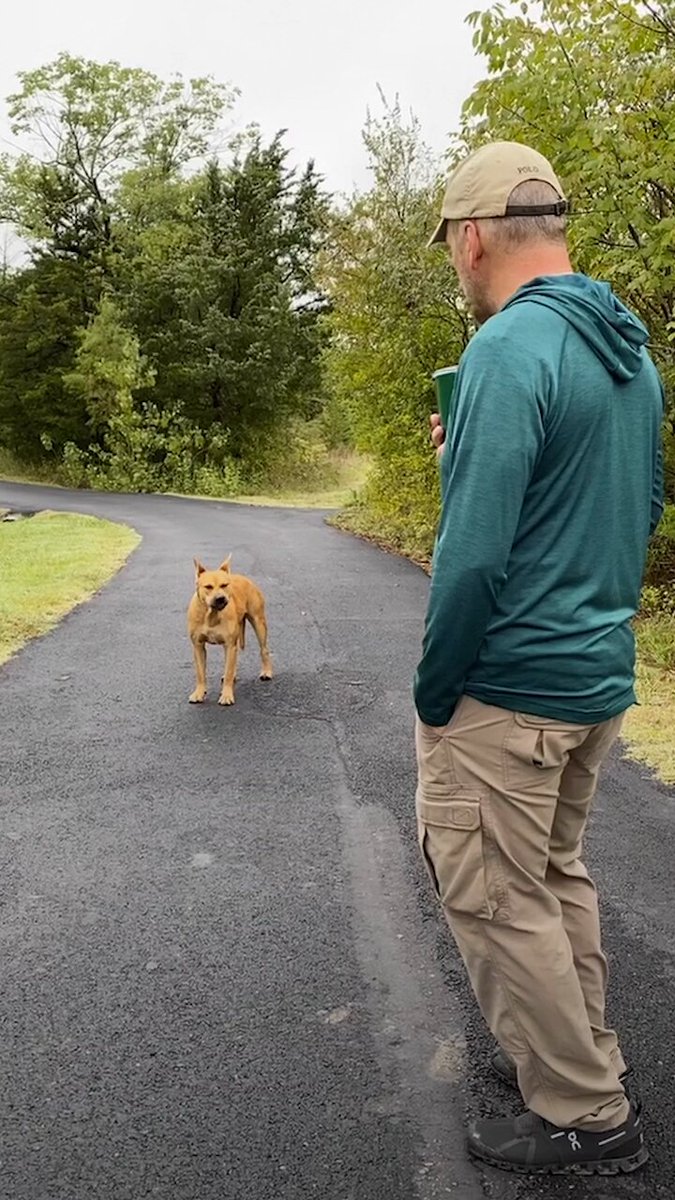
x=528, y=1145
x=505, y=1069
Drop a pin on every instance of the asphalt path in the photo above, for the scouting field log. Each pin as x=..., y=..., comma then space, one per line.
x=223, y=975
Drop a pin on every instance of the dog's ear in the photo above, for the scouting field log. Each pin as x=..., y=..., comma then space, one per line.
x=198, y=567
x=225, y=566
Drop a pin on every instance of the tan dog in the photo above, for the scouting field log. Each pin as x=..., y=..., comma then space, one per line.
x=218, y=612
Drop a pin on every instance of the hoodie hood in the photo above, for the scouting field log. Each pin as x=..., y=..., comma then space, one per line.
x=612, y=331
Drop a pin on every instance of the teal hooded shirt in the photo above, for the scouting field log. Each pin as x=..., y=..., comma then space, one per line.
x=551, y=484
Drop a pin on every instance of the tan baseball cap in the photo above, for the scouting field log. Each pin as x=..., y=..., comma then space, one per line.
x=481, y=185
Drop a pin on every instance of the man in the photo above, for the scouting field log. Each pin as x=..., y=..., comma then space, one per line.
x=551, y=486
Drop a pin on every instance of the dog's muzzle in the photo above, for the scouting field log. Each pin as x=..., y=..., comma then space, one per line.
x=219, y=603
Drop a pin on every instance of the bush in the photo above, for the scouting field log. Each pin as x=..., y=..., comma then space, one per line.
x=148, y=450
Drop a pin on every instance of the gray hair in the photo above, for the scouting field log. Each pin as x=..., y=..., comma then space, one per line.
x=508, y=233
x=516, y=231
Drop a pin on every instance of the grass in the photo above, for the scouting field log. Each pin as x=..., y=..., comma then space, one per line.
x=415, y=544
x=14, y=471
x=348, y=472
x=50, y=563
x=649, y=730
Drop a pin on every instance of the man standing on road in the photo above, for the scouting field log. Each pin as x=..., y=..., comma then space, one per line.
x=551, y=486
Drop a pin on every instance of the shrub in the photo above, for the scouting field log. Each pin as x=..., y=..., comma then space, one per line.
x=148, y=450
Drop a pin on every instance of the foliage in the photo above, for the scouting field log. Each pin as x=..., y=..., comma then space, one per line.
x=225, y=306
x=109, y=368
x=292, y=457
x=163, y=284
x=553, y=79
x=40, y=310
x=658, y=594
x=395, y=318
x=86, y=124
x=146, y=449
x=656, y=639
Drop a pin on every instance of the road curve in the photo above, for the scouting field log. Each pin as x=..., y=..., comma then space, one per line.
x=223, y=975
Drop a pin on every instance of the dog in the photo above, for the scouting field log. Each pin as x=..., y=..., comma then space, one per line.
x=217, y=614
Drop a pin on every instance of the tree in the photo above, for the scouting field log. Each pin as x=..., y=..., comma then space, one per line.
x=85, y=124
x=86, y=128
x=41, y=308
x=592, y=85
x=109, y=368
x=219, y=285
x=182, y=272
x=396, y=316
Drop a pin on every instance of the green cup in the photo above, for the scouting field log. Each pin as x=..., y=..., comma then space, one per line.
x=444, y=382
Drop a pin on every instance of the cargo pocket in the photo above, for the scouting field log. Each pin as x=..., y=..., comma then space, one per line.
x=452, y=840
x=534, y=745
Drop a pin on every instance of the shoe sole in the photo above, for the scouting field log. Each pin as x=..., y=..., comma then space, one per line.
x=608, y=1166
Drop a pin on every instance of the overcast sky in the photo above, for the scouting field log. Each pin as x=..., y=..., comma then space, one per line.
x=309, y=66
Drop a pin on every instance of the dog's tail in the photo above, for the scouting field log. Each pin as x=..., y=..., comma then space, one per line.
x=242, y=634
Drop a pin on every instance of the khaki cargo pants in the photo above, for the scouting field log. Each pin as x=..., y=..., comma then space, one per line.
x=502, y=804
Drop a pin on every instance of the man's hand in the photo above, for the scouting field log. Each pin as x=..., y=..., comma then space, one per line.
x=437, y=433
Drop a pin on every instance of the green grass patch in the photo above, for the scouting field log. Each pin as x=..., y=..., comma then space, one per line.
x=347, y=475
x=648, y=730
x=50, y=563
x=650, y=727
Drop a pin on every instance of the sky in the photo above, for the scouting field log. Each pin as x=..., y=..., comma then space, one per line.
x=310, y=66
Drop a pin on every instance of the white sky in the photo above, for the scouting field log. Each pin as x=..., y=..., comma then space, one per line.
x=309, y=66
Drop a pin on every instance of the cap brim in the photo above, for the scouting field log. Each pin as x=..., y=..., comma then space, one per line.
x=439, y=236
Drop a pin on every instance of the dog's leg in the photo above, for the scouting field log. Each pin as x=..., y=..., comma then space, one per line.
x=259, y=624
x=199, y=651
x=227, y=693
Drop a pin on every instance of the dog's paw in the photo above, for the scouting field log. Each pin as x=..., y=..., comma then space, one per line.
x=197, y=696
x=268, y=674
x=226, y=698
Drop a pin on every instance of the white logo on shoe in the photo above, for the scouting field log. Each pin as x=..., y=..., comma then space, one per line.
x=574, y=1140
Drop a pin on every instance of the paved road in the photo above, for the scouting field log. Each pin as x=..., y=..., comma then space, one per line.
x=223, y=975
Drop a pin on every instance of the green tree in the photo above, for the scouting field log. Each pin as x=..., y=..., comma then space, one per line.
x=219, y=284
x=592, y=85
x=109, y=367
x=396, y=317
x=84, y=124
x=41, y=308
x=86, y=128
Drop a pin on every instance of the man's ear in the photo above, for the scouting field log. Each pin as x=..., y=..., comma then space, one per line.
x=198, y=567
x=225, y=566
x=474, y=243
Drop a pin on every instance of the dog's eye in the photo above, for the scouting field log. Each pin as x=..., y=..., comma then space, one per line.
x=208, y=587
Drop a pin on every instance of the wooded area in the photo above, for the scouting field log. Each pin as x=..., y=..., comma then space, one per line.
x=195, y=315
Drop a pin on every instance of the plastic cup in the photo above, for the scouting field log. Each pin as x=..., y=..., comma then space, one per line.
x=444, y=382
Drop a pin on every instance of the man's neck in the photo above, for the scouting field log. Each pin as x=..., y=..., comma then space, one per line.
x=520, y=269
